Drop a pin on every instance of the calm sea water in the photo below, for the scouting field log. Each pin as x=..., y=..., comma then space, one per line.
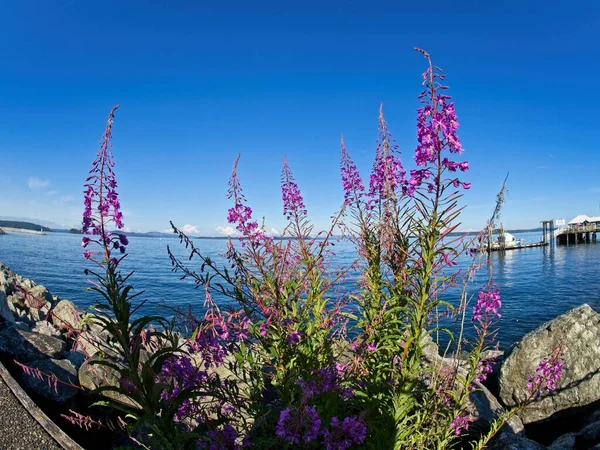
x=536, y=284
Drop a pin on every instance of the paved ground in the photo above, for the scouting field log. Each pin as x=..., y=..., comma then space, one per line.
x=18, y=430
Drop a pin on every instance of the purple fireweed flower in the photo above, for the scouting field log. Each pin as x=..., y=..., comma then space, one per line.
x=487, y=305
x=484, y=368
x=294, y=337
x=297, y=425
x=437, y=125
x=547, y=374
x=293, y=204
x=460, y=423
x=241, y=215
x=344, y=434
x=351, y=181
x=387, y=175
x=325, y=380
x=224, y=438
x=101, y=201
x=182, y=375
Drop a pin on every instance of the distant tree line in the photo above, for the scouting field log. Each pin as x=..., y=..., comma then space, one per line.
x=23, y=225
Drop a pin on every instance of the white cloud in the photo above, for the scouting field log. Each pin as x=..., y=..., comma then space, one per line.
x=37, y=183
x=50, y=193
x=226, y=231
x=65, y=199
x=190, y=229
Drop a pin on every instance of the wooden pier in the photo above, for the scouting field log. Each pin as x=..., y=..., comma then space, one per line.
x=515, y=247
x=582, y=229
x=578, y=235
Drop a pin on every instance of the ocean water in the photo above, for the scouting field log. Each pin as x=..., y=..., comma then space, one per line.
x=536, y=284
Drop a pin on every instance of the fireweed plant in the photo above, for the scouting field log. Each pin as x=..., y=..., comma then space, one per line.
x=298, y=363
x=154, y=385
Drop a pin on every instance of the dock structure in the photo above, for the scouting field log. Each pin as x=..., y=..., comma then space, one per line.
x=547, y=231
x=581, y=230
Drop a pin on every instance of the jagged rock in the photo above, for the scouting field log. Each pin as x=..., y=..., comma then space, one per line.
x=6, y=314
x=92, y=376
x=41, y=293
x=21, y=326
x=66, y=316
x=26, y=346
x=6, y=279
x=484, y=409
x=41, y=378
x=76, y=358
x=90, y=344
x=565, y=442
x=46, y=328
x=578, y=331
x=507, y=441
x=25, y=283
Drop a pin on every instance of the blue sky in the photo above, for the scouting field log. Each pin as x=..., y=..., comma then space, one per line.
x=197, y=85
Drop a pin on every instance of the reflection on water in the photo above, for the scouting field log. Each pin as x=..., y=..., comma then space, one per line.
x=536, y=284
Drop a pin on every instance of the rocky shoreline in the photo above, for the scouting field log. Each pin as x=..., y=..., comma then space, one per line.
x=44, y=334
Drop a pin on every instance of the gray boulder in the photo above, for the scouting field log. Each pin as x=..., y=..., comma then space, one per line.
x=76, y=358
x=67, y=316
x=26, y=346
x=6, y=314
x=46, y=328
x=565, y=442
x=6, y=279
x=54, y=379
x=578, y=332
x=507, y=441
x=92, y=376
x=41, y=294
x=485, y=409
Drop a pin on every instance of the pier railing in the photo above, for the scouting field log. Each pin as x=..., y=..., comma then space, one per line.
x=581, y=228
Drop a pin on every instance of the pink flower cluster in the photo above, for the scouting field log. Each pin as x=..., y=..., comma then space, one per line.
x=487, y=305
x=240, y=214
x=547, y=374
x=293, y=203
x=351, y=181
x=460, y=423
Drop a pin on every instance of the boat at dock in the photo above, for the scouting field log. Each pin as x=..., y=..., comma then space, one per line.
x=501, y=240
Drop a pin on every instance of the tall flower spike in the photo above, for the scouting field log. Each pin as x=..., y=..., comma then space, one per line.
x=293, y=204
x=437, y=124
x=351, y=181
x=388, y=175
x=241, y=215
x=101, y=201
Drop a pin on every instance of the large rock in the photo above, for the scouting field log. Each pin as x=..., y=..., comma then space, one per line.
x=93, y=375
x=6, y=279
x=578, y=332
x=507, y=441
x=54, y=379
x=67, y=316
x=6, y=314
x=485, y=409
x=46, y=328
x=41, y=294
x=26, y=346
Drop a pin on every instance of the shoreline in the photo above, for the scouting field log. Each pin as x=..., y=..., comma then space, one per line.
x=22, y=230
